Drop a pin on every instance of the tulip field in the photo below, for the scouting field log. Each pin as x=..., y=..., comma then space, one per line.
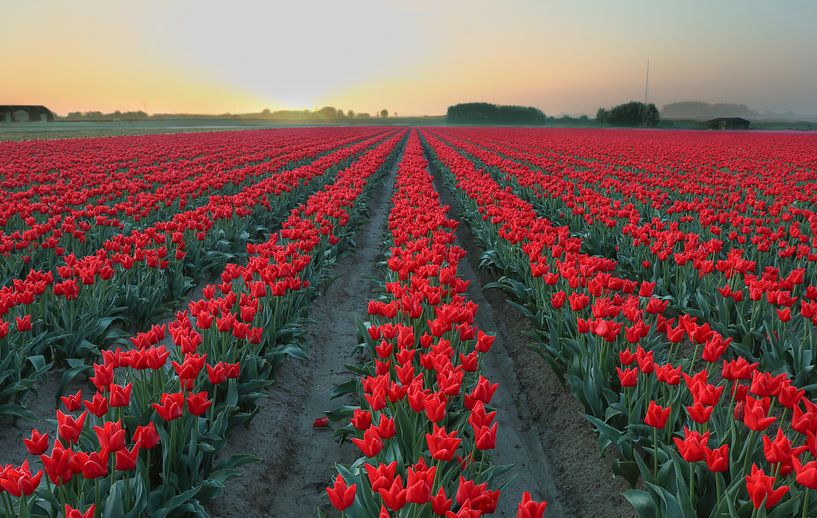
x=156, y=289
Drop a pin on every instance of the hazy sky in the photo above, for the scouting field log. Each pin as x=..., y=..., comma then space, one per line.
x=409, y=56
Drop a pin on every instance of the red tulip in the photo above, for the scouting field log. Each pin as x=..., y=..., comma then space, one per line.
x=442, y=445
x=760, y=488
x=529, y=508
x=340, y=495
x=656, y=415
x=120, y=396
x=72, y=402
x=70, y=512
x=717, y=460
x=37, y=444
x=197, y=403
x=371, y=444
x=68, y=427
x=146, y=436
x=126, y=459
x=170, y=406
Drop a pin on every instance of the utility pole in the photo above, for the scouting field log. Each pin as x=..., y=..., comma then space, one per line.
x=646, y=89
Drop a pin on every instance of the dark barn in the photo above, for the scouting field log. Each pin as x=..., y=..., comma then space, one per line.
x=25, y=113
x=728, y=123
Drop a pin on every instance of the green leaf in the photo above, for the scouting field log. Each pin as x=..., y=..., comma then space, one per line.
x=642, y=501
x=113, y=504
x=17, y=411
x=343, y=389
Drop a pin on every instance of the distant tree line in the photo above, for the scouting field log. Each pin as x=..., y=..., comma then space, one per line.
x=632, y=113
x=486, y=113
x=325, y=114
x=96, y=115
x=702, y=110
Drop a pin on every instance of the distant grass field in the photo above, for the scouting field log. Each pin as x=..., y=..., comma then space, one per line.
x=62, y=129
x=79, y=129
x=76, y=129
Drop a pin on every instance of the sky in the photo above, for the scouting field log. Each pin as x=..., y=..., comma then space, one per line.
x=412, y=57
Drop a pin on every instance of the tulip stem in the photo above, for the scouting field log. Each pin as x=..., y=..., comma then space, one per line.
x=805, y=504
x=749, y=450
x=126, y=481
x=7, y=503
x=654, y=453
x=718, y=487
x=692, y=484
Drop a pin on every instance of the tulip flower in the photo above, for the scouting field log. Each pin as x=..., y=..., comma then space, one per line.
x=371, y=444
x=529, y=508
x=395, y=496
x=340, y=495
x=381, y=476
x=761, y=487
x=170, y=406
x=717, y=460
x=692, y=447
x=806, y=473
x=37, y=444
x=146, y=436
x=755, y=414
x=68, y=427
x=656, y=415
x=126, y=459
x=440, y=504
x=119, y=396
x=72, y=402
x=197, y=403
x=441, y=445
x=70, y=512
x=111, y=436
x=98, y=405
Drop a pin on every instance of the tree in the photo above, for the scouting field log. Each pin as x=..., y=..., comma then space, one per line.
x=265, y=111
x=351, y=114
x=384, y=113
x=486, y=113
x=327, y=112
x=632, y=113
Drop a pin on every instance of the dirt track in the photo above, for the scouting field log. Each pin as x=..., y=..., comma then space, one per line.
x=298, y=460
x=541, y=429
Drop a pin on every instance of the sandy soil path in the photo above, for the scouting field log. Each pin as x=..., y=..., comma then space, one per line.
x=297, y=459
x=541, y=428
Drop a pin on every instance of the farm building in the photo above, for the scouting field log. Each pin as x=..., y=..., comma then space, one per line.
x=727, y=123
x=25, y=113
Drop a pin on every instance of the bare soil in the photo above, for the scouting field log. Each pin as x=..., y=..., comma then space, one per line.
x=541, y=428
x=297, y=459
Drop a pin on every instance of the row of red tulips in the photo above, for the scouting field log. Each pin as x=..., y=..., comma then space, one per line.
x=624, y=355
x=424, y=425
x=731, y=248
x=75, y=206
x=146, y=442
x=134, y=279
